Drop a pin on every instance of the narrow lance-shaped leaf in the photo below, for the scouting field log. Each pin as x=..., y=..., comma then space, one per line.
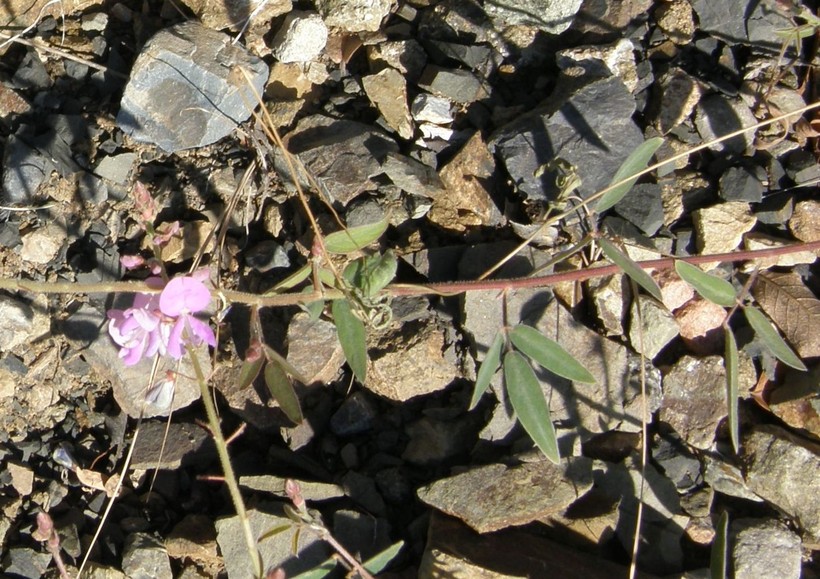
x=273, y=532
x=719, y=559
x=731, y=362
x=549, y=354
x=491, y=363
x=379, y=562
x=630, y=268
x=355, y=238
x=529, y=404
x=716, y=290
x=251, y=366
x=771, y=338
x=319, y=572
x=352, y=338
x=635, y=163
x=282, y=391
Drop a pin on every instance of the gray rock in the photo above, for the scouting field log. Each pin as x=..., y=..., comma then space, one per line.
x=184, y=90
x=662, y=524
x=592, y=129
x=617, y=59
x=25, y=563
x=357, y=414
x=275, y=550
x=782, y=469
x=459, y=86
x=354, y=15
x=657, y=328
x=362, y=489
x=412, y=176
x=433, y=441
x=364, y=210
x=643, y=207
x=267, y=255
x=145, y=557
x=362, y=535
x=24, y=169
x=694, y=396
x=679, y=465
x=744, y=21
x=681, y=93
x=477, y=57
x=742, y=184
x=717, y=115
x=301, y=38
x=610, y=296
x=18, y=323
x=428, y=108
x=116, y=168
x=406, y=56
x=32, y=73
x=764, y=548
x=342, y=155
x=387, y=90
x=313, y=348
x=495, y=496
x=184, y=444
x=726, y=478
x=550, y=16
x=312, y=491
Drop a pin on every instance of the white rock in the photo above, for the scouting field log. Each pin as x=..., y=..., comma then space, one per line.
x=432, y=109
x=617, y=59
x=17, y=323
x=301, y=39
x=430, y=131
x=355, y=15
x=42, y=245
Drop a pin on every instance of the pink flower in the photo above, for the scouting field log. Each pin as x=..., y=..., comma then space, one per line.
x=162, y=323
x=138, y=331
x=181, y=298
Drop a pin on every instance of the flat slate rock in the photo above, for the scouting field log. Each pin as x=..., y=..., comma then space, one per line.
x=592, y=129
x=495, y=496
x=186, y=90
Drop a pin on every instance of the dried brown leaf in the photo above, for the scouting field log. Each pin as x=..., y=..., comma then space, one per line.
x=793, y=307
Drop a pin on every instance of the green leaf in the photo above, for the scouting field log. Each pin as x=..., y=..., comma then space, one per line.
x=716, y=290
x=635, y=163
x=274, y=357
x=719, y=567
x=355, y=238
x=320, y=572
x=378, y=562
x=372, y=273
x=771, y=338
x=731, y=362
x=352, y=337
x=630, y=268
x=282, y=391
x=487, y=370
x=249, y=371
x=292, y=280
x=273, y=532
x=549, y=354
x=529, y=404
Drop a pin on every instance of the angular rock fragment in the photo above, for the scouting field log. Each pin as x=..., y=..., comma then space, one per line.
x=592, y=129
x=744, y=21
x=460, y=86
x=145, y=556
x=182, y=444
x=764, y=548
x=236, y=14
x=495, y=497
x=387, y=91
x=650, y=332
x=314, y=349
x=720, y=228
x=412, y=176
x=341, y=155
x=301, y=38
x=354, y=15
x=186, y=90
x=428, y=108
x=717, y=115
x=551, y=17
x=795, y=401
x=617, y=59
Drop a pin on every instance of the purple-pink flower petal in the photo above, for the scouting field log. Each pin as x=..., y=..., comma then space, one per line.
x=184, y=295
x=174, y=347
x=201, y=332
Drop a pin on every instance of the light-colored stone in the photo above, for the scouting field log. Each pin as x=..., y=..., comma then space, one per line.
x=674, y=291
x=433, y=109
x=145, y=557
x=720, y=228
x=22, y=478
x=609, y=297
x=616, y=59
x=657, y=328
x=677, y=21
x=700, y=326
x=754, y=240
x=387, y=90
x=17, y=322
x=468, y=202
x=805, y=221
x=354, y=15
x=547, y=15
x=764, y=548
x=301, y=38
x=43, y=244
x=234, y=14
x=494, y=497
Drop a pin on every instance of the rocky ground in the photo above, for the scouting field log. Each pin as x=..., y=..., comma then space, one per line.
x=443, y=116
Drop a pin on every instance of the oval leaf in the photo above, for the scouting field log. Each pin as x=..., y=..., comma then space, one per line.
x=635, y=163
x=282, y=391
x=731, y=362
x=352, y=338
x=719, y=564
x=716, y=290
x=529, y=404
x=771, y=338
x=549, y=354
x=355, y=238
x=630, y=268
x=487, y=370
x=249, y=371
x=379, y=562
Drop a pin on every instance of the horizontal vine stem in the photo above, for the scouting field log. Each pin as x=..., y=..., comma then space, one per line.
x=437, y=288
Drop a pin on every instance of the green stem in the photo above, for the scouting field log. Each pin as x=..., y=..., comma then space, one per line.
x=227, y=469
